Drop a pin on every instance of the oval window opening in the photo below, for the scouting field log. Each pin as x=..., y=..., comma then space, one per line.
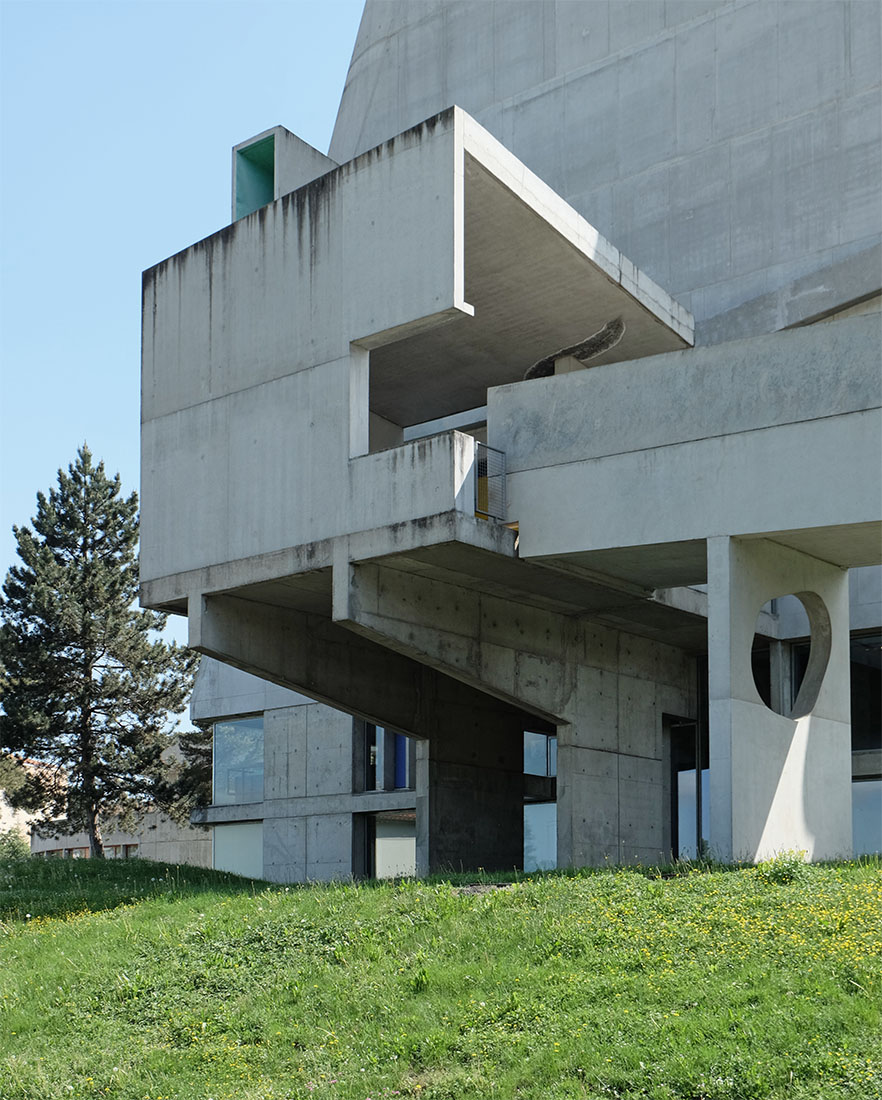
x=788, y=678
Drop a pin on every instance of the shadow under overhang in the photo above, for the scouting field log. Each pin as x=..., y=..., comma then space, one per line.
x=560, y=587
x=536, y=287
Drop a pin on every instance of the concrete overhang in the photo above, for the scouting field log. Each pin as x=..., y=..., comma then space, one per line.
x=626, y=471
x=675, y=564
x=535, y=276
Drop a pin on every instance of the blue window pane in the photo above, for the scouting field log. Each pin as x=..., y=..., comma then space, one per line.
x=400, y=761
x=540, y=836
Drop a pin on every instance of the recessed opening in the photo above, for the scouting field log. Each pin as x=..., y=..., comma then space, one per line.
x=384, y=844
x=383, y=760
x=385, y=434
x=792, y=689
x=255, y=176
x=689, y=749
x=540, y=801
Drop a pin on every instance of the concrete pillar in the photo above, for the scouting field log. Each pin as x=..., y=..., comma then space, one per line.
x=588, y=772
x=777, y=781
x=470, y=802
x=612, y=790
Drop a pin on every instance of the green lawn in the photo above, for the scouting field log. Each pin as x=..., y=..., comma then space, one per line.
x=139, y=981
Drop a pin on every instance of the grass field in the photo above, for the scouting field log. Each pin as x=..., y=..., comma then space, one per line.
x=140, y=981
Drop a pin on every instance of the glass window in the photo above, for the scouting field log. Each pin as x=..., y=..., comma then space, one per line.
x=866, y=692
x=540, y=754
x=866, y=687
x=866, y=816
x=552, y=756
x=540, y=836
x=690, y=787
x=687, y=811
x=402, y=777
x=238, y=761
x=387, y=759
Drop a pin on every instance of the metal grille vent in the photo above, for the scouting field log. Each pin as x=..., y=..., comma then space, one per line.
x=489, y=483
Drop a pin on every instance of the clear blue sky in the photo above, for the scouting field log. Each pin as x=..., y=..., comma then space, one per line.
x=117, y=124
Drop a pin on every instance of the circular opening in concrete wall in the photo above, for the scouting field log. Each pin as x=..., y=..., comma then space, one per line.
x=801, y=679
x=804, y=664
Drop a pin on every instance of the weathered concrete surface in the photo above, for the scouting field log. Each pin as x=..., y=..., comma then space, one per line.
x=606, y=692
x=731, y=149
x=777, y=782
x=269, y=347
x=670, y=121
x=475, y=763
x=758, y=437
x=296, y=163
x=222, y=691
x=302, y=830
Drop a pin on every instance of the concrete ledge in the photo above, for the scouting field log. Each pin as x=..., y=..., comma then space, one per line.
x=314, y=558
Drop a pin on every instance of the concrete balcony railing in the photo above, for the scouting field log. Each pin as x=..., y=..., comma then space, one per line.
x=450, y=471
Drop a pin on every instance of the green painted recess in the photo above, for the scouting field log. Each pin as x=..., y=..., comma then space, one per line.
x=255, y=176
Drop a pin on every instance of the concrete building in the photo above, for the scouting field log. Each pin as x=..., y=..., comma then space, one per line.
x=155, y=837
x=301, y=792
x=13, y=820
x=667, y=562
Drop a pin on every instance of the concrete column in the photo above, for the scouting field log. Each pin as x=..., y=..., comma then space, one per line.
x=470, y=805
x=588, y=771
x=777, y=781
x=611, y=786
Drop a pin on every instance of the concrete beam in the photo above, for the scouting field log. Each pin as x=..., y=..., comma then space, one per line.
x=470, y=775
x=332, y=665
x=522, y=655
x=756, y=438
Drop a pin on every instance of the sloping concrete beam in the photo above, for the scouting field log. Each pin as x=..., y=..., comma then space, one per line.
x=522, y=655
x=332, y=665
x=470, y=773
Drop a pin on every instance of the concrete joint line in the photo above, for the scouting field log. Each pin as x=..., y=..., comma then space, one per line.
x=696, y=439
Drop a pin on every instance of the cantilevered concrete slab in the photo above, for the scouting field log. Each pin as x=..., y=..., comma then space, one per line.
x=629, y=470
x=538, y=277
x=402, y=284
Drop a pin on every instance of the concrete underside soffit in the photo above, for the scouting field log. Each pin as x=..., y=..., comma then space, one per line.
x=334, y=665
x=538, y=277
x=526, y=654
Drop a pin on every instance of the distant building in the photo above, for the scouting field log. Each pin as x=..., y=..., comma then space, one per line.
x=155, y=837
x=13, y=819
x=658, y=554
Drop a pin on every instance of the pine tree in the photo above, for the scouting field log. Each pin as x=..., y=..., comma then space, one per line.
x=88, y=690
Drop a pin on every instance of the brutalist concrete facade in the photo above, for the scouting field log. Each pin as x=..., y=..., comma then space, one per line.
x=312, y=819
x=299, y=509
